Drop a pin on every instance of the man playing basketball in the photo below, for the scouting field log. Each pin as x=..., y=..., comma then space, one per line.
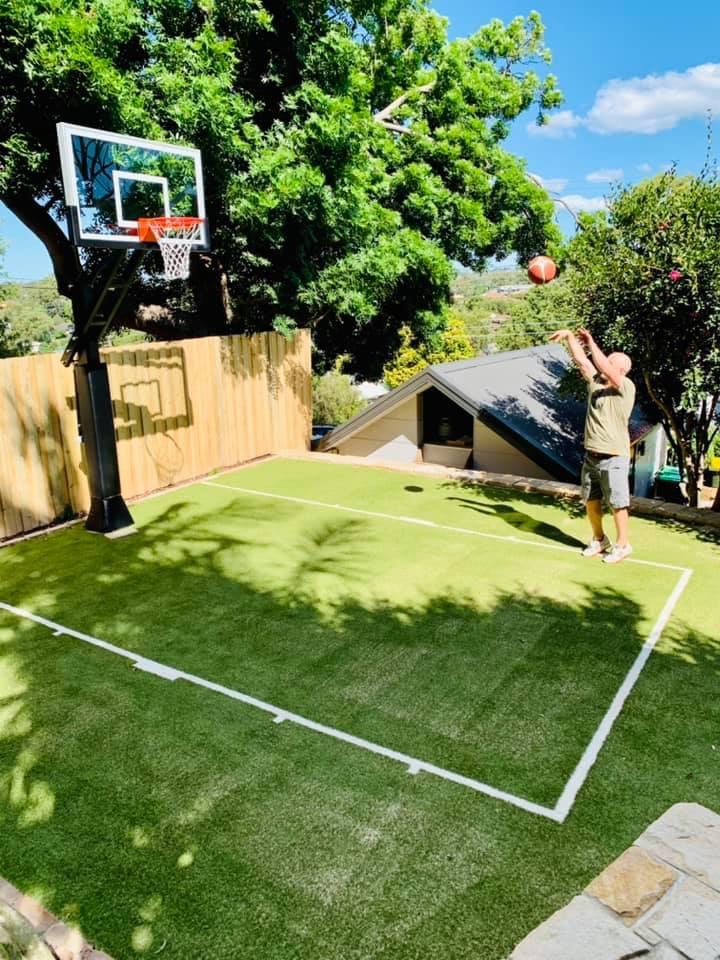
x=611, y=396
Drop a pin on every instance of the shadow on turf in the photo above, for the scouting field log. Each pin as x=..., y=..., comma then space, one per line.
x=495, y=501
x=702, y=534
x=174, y=805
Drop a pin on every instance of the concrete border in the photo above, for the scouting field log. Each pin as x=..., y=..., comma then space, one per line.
x=46, y=937
x=698, y=518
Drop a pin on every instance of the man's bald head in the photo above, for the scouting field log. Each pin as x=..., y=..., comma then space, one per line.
x=621, y=362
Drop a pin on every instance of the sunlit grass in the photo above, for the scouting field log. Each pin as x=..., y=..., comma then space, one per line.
x=160, y=816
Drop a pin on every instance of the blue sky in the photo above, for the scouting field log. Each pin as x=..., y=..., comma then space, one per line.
x=638, y=78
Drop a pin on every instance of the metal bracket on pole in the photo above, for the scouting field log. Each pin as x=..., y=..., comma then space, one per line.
x=96, y=300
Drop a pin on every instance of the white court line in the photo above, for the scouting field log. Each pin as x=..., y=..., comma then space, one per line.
x=558, y=813
x=580, y=774
x=562, y=808
x=280, y=715
x=424, y=523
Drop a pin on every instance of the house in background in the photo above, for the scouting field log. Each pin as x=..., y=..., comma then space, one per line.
x=502, y=413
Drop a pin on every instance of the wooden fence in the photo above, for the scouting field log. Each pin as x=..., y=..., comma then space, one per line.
x=182, y=409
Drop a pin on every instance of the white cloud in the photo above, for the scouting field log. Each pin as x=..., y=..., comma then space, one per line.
x=656, y=102
x=551, y=184
x=644, y=168
x=559, y=125
x=580, y=204
x=605, y=176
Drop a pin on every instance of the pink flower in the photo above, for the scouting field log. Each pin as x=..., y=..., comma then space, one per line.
x=675, y=275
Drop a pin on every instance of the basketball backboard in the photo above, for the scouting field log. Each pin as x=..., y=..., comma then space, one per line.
x=111, y=180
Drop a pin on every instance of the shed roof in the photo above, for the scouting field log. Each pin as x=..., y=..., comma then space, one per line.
x=516, y=394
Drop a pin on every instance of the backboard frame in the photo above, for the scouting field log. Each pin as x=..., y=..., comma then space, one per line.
x=83, y=238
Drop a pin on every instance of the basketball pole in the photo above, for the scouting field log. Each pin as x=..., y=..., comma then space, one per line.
x=109, y=180
x=96, y=299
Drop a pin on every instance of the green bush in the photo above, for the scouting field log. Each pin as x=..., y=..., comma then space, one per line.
x=411, y=359
x=335, y=398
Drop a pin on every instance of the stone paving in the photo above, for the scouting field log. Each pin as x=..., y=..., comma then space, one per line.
x=29, y=932
x=660, y=900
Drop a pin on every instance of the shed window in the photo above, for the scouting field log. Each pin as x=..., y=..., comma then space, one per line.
x=444, y=421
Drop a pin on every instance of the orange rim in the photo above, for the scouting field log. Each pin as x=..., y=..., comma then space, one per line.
x=150, y=228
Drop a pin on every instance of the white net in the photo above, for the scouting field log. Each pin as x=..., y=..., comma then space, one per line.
x=175, y=238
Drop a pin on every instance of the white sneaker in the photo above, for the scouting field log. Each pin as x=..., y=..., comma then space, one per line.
x=617, y=554
x=596, y=547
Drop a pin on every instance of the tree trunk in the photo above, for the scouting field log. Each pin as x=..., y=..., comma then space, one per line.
x=64, y=255
x=716, y=502
x=693, y=485
x=209, y=284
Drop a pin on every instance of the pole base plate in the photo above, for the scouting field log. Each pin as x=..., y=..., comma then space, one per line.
x=109, y=515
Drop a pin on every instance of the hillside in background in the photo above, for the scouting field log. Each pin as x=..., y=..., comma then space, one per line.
x=34, y=318
x=501, y=310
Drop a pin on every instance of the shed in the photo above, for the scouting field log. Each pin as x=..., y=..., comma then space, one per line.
x=503, y=413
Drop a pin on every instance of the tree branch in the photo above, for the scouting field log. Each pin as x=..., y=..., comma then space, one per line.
x=555, y=199
x=64, y=255
x=383, y=116
x=672, y=419
x=395, y=127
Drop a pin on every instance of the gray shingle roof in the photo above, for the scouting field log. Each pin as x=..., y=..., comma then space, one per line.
x=515, y=393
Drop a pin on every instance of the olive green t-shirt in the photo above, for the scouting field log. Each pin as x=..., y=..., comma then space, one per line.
x=608, y=414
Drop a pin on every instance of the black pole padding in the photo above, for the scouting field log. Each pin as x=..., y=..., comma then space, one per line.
x=108, y=511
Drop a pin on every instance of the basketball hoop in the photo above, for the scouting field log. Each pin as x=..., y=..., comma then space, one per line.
x=175, y=236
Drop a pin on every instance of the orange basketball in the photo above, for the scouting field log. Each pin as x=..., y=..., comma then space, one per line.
x=542, y=270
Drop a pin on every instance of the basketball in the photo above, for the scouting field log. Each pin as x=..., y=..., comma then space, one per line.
x=542, y=270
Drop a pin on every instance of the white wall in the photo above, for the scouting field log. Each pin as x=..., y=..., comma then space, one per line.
x=392, y=437
x=492, y=453
x=396, y=436
x=650, y=460
x=446, y=455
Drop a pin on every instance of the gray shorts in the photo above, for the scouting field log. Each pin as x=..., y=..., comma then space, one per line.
x=606, y=478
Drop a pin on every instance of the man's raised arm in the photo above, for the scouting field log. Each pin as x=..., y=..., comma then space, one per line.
x=612, y=372
x=576, y=351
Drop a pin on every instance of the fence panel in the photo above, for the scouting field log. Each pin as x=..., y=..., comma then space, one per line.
x=182, y=409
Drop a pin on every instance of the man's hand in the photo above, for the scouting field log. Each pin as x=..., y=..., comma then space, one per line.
x=576, y=351
x=585, y=337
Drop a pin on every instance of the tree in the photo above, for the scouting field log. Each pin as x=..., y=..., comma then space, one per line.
x=350, y=150
x=645, y=278
x=533, y=317
x=335, y=396
x=36, y=318
x=512, y=319
x=412, y=358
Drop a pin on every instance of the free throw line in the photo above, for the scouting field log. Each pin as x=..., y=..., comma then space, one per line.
x=422, y=523
x=281, y=715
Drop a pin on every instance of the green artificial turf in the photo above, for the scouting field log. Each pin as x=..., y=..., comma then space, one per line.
x=162, y=816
